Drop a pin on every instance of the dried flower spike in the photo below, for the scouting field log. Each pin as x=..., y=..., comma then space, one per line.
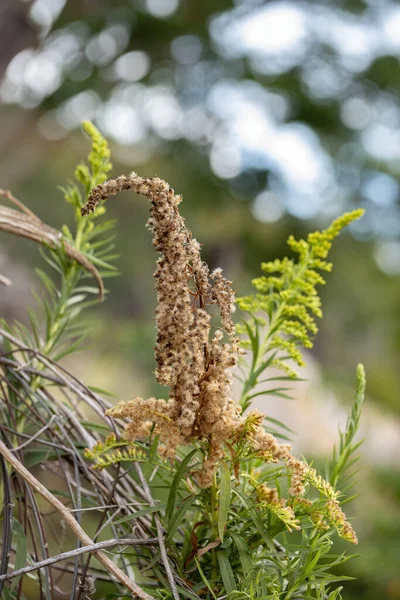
x=194, y=364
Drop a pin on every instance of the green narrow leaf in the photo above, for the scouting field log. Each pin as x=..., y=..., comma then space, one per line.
x=178, y=516
x=98, y=262
x=279, y=424
x=312, y=563
x=264, y=365
x=271, y=392
x=244, y=553
x=101, y=228
x=88, y=289
x=224, y=499
x=74, y=347
x=7, y=594
x=75, y=299
x=105, y=242
x=35, y=327
x=254, y=339
x=333, y=579
x=261, y=528
x=340, y=463
x=98, y=390
x=227, y=575
x=103, y=274
x=349, y=499
x=50, y=261
x=36, y=456
x=282, y=378
x=21, y=550
x=204, y=578
x=91, y=425
x=183, y=467
x=186, y=593
x=47, y=282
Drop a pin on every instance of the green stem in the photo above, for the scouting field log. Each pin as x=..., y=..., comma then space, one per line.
x=68, y=283
x=214, y=526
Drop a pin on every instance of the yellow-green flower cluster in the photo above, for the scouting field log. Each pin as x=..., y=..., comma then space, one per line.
x=331, y=511
x=320, y=484
x=99, y=157
x=109, y=452
x=283, y=366
x=131, y=454
x=89, y=175
x=317, y=518
x=288, y=294
x=289, y=347
x=310, y=509
x=269, y=499
x=337, y=518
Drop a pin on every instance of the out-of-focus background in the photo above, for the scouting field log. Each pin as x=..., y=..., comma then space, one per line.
x=271, y=118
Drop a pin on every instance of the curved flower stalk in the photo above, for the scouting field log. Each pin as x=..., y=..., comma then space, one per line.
x=191, y=360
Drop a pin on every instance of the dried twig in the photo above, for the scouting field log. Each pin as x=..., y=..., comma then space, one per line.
x=26, y=224
x=123, y=490
x=35, y=435
x=76, y=552
x=7, y=521
x=160, y=534
x=4, y=280
x=72, y=522
x=7, y=194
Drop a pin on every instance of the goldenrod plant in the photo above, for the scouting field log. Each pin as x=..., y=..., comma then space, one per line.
x=204, y=499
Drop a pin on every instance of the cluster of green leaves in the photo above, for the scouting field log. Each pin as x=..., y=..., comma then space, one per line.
x=66, y=298
x=225, y=541
x=282, y=312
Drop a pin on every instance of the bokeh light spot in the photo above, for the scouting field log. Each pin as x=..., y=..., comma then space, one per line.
x=356, y=113
x=186, y=49
x=122, y=122
x=380, y=188
x=225, y=161
x=132, y=66
x=267, y=207
x=162, y=8
x=387, y=257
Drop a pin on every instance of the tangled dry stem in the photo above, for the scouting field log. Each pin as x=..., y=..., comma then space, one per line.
x=61, y=434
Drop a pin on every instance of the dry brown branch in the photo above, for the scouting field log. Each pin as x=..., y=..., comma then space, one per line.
x=7, y=194
x=77, y=552
x=72, y=522
x=25, y=223
x=4, y=280
x=42, y=407
x=160, y=533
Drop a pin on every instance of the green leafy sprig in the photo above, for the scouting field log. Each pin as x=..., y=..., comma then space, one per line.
x=343, y=456
x=64, y=301
x=282, y=313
